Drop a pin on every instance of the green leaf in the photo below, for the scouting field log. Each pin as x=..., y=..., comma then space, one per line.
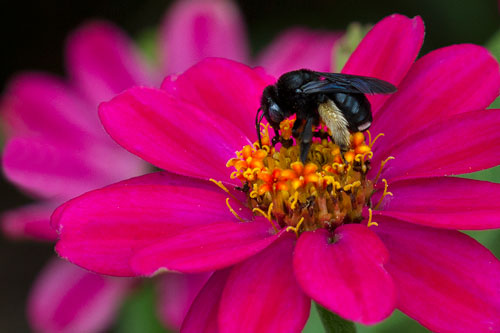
x=494, y=46
x=333, y=323
x=355, y=32
x=138, y=314
x=147, y=42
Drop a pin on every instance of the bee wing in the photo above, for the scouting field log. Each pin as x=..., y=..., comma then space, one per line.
x=346, y=83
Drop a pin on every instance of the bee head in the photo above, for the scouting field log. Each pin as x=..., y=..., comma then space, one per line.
x=270, y=106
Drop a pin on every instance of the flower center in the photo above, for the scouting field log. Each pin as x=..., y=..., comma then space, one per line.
x=329, y=190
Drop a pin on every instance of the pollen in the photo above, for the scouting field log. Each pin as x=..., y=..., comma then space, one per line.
x=329, y=190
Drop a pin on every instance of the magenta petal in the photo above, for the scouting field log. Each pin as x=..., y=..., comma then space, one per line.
x=50, y=169
x=460, y=144
x=42, y=105
x=172, y=134
x=202, y=316
x=101, y=230
x=205, y=248
x=444, y=202
x=387, y=52
x=30, y=221
x=176, y=294
x=429, y=92
x=66, y=298
x=262, y=295
x=102, y=61
x=226, y=88
x=196, y=29
x=344, y=272
x=299, y=48
x=446, y=280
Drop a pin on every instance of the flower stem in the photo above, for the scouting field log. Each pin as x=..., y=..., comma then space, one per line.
x=333, y=323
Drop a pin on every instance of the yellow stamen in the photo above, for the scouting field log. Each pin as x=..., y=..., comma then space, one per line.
x=370, y=142
x=267, y=215
x=296, y=228
x=338, y=167
x=348, y=187
x=219, y=183
x=233, y=211
x=383, y=194
x=382, y=164
x=293, y=200
x=370, y=222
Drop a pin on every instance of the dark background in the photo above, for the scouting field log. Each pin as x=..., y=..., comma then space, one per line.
x=33, y=35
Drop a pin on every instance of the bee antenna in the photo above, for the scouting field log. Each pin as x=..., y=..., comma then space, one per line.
x=257, y=125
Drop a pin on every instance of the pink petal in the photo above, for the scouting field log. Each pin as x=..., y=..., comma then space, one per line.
x=445, y=82
x=226, y=88
x=66, y=298
x=445, y=202
x=459, y=144
x=202, y=316
x=387, y=52
x=446, y=280
x=43, y=105
x=55, y=170
x=205, y=248
x=177, y=293
x=49, y=169
x=196, y=29
x=299, y=48
x=344, y=272
x=172, y=134
x=262, y=295
x=30, y=221
x=101, y=230
x=103, y=61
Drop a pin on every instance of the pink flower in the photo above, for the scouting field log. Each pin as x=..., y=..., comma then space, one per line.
x=267, y=269
x=56, y=148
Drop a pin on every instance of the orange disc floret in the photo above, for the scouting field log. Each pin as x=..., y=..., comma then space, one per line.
x=312, y=178
x=297, y=183
x=357, y=139
x=298, y=167
x=310, y=168
x=288, y=174
x=286, y=128
x=349, y=156
x=246, y=152
x=276, y=174
x=335, y=150
x=260, y=154
x=362, y=149
x=263, y=189
x=281, y=186
x=240, y=164
x=256, y=163
x=266, y=177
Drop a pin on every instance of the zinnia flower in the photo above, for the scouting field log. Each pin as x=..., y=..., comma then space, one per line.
x=361, y=233
x=57, y=149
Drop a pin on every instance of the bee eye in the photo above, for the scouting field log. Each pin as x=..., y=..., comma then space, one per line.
x=275, y=113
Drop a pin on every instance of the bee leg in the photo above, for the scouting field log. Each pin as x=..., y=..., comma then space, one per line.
x=296, y=128
x=277, y=136
x=343, y=150
x=257, y=125
x=306, y=140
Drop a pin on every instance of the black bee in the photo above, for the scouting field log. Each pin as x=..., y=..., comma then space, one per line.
x=337, y=99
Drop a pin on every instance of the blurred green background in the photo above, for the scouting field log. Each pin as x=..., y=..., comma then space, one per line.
x=33, y=35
